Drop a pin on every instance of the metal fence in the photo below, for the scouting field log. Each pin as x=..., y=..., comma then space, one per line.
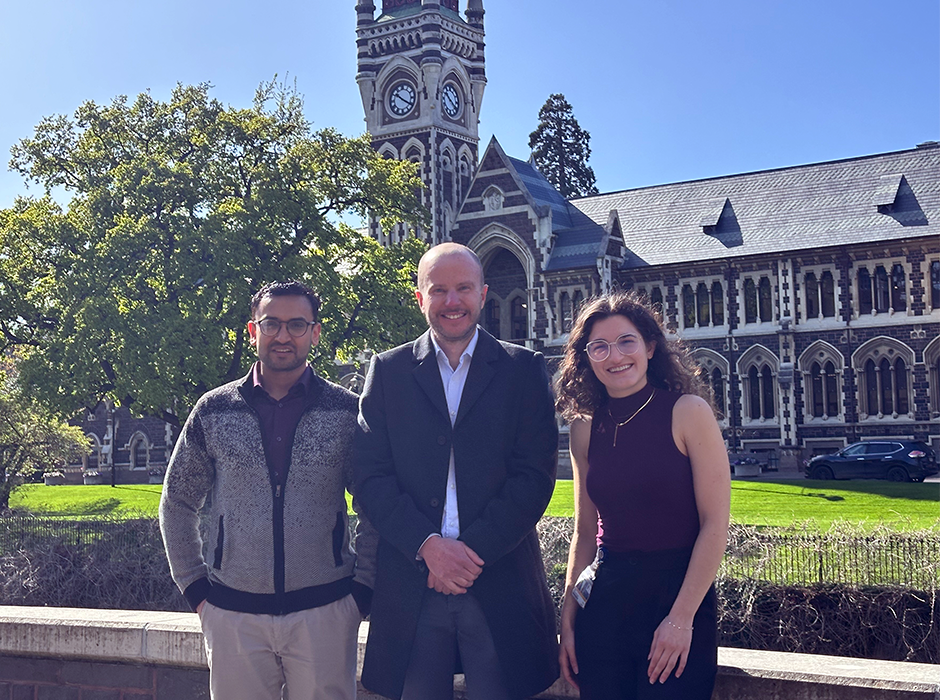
x=840, y=556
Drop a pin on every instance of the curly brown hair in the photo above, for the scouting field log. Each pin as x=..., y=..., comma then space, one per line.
x=578, y=389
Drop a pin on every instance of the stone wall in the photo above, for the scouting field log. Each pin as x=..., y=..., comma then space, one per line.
x=83, y=654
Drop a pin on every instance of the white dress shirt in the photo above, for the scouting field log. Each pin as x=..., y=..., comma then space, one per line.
x=454, y=381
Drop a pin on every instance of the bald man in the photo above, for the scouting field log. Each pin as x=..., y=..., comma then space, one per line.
x=454, y=461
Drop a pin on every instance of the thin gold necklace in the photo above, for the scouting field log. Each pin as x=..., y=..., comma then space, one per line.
x=618, y=426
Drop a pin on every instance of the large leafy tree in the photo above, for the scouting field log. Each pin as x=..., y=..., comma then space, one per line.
x=561, y=149
x=31, y=437
x=178, y=211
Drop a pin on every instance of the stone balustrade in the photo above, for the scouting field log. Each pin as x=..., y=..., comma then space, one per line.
x=86, y=654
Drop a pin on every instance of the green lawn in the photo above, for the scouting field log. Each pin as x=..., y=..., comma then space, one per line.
x=867, y=502
x=769, y=503
x=78, y=501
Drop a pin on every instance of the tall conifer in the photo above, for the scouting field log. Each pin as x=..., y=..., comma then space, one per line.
x=561, y=149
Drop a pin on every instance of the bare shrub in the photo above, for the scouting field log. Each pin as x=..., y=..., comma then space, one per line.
x=844, y=592
x=101, y=563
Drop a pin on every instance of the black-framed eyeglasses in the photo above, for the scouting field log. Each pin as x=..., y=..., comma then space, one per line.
x=599, y=350
x=297, y=327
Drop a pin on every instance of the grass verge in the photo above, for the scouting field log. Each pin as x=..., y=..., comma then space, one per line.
x=869, y=503
x=124, y=501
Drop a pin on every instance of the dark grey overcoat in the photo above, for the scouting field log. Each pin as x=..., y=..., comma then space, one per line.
x=505, y=443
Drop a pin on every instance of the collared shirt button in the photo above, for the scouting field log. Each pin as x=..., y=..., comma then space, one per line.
x=279, y=439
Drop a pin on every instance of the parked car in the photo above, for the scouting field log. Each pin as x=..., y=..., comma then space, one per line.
x=895, y=460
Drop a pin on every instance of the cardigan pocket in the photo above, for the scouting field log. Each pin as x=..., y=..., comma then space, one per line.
x=339, y=536
x=219, y=544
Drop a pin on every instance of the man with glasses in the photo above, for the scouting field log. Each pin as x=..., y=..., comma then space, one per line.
x=265, y=463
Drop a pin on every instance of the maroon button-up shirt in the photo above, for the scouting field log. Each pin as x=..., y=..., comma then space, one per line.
x=279, y=419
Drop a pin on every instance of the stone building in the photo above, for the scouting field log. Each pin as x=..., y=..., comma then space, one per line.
x=810, y=294
x=135, y=449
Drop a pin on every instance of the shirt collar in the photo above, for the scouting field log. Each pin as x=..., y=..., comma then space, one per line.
x=301, y=386
x=468, y=351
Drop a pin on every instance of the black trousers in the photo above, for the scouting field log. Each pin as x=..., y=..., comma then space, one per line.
x=448, y=623
x=632, y=594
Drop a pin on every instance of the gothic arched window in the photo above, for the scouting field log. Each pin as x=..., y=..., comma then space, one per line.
x=871, y=389
x=831, y=387
x=824, y=391
x=518, y=320
x=886, y=379
x=935, y=284
x=887, y=404
x=703, y=302
x=576, y=301
x=688, y=307
x=767, y=392
x=900, y=386
x=718, y=390
x=718, y=304
x=865, y=305
x=827, y=294
x=566, y=318
x=491, y=317
x=882, y=299
x=139, y=452
x=750, y=301
x=898, y=288
x=765, y=301
x=757, y=368
x=754, y=393
x=812, y=295
x=656, y=299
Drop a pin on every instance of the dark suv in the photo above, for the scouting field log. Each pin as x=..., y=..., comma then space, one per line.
x=895, y=460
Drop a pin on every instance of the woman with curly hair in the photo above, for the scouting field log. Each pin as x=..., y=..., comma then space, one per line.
x=652, y=499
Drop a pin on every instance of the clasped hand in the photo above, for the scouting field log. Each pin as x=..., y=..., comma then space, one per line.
x=452, y=565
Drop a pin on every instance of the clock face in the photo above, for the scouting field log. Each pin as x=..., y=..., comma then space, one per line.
x=401, y=99
x=450, y=100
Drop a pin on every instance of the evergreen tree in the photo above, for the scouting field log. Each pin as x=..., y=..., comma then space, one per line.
x=561, y=149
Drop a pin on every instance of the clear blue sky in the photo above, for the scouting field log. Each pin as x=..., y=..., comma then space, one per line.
x=670, y=90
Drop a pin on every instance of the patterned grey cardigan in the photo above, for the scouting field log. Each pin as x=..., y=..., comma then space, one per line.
x=269, y=549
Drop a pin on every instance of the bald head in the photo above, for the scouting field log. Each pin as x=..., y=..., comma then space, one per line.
x=442, y=250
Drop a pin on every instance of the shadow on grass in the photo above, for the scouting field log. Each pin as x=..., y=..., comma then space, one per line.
x=828, y=497
x=823, y=489
x=824, y=496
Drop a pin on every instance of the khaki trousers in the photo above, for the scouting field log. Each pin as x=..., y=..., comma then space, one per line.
x=306, y=655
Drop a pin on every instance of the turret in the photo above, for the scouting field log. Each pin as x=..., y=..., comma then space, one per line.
x=475, y=13
x=365, y=12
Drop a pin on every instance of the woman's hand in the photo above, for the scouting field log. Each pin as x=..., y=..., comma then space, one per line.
x=566, y=655
x=670, y=650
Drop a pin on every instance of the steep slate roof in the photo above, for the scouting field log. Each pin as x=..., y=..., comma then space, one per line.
x=773, y=211
x=578, y=240
x=543, y=192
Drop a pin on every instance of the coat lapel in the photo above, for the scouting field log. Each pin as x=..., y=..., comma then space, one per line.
x=427, y=374
x=482, y=371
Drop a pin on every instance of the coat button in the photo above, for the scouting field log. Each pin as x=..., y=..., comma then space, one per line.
x=441, y=440
x=435, y=503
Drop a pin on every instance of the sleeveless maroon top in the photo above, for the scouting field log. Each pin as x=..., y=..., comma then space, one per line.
x=642, y=487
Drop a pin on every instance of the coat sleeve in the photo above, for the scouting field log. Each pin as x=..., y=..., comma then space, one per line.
x=392, y=511
x=366, y=544
x=189, y=478
x=531, y=467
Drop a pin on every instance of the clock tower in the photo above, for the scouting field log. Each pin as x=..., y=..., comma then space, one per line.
x=421, y=76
